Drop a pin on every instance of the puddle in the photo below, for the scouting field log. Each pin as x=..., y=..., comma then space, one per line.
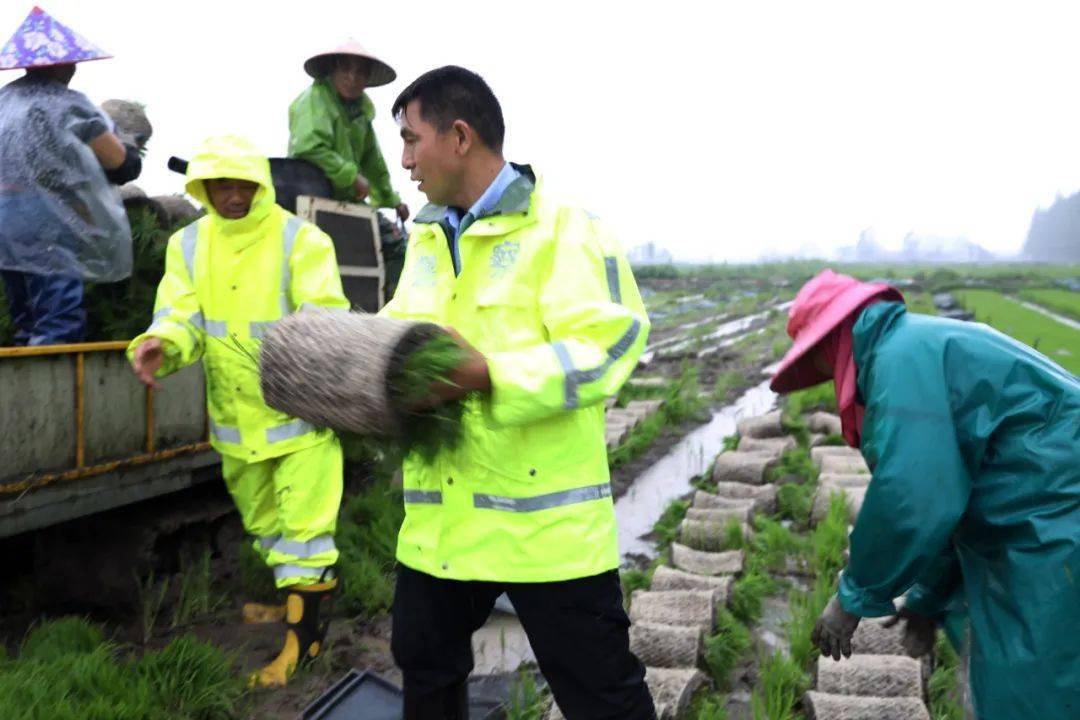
x=669, y=478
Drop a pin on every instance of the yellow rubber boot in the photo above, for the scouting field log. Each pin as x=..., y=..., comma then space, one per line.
x=261, y=613
x=304, y=633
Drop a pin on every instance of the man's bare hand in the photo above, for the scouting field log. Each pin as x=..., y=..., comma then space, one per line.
x=148, y=359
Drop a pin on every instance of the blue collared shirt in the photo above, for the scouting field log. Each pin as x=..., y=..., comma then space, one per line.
x=483, y=206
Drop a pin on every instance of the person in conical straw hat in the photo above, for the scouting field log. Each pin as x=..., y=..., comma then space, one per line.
x=330, y=125
x=974, y=502
x=60, y=221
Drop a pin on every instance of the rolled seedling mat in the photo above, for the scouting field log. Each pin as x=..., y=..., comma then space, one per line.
x=762, y=426
x=360, y=373
x=669, y=578
x=710, y=536
x=744, y=467
x=176, y=209
x=668, y=646
x=854, y=497
x=707, y=563
x=817, y=440
x=844, y=465
x=824, y=423
x=816, y=454
x=873, y=638
x=764, y=496
x=877, y=675
x=845, y=480
x=774, y=446
x=826, y=706
x=706, y=501
x=673, y=689
x=739, y=513
x=130, y=122
x=689, y=608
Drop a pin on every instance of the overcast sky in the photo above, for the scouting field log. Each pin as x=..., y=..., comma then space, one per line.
x=718, y=130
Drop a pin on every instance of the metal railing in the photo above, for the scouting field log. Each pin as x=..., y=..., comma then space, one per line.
x=81, y=469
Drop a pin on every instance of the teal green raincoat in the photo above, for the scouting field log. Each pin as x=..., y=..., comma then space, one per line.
x=974, y=444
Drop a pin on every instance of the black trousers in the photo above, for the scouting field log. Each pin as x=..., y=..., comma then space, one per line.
x=577, y=628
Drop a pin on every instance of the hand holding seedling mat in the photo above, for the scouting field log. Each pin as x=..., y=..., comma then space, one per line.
x=366, y=375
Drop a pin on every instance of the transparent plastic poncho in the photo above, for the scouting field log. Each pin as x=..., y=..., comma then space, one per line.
x=58, y=213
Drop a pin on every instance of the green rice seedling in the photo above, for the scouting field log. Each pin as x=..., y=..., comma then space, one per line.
x=944, y=685
x=780, y=685
x=794, y=462
x=709, y=707
x=428, y=431
x=731, y=442
x=636, y=579
x=829, y=539
x=774, y=544
x=734, y=538
x=806, y=608
x=748, y=592
x=527, y=700
x=726, y=647
x=795, y=502
x=666, y=528
x=196, y=597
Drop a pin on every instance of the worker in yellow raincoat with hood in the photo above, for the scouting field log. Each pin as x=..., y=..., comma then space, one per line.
x=228, y=277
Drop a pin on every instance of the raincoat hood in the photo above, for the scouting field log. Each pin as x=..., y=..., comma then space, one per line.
x=232, y=157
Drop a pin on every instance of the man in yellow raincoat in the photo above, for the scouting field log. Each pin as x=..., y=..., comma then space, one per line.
x=228, y=277
x=545, y=304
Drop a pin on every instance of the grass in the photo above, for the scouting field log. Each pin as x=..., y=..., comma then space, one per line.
x=1063, y=302
x=197, y=597
x=944, y=684
x=151, y=599
x=367, y=539
x=774, y=544
x=1053, y=339
x=65, y=670
x=725, y=648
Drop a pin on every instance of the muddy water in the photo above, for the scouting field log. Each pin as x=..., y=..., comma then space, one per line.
x=501, y=645
x=669, y=478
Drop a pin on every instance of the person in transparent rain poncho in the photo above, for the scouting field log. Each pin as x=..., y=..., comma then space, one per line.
x=61, y=220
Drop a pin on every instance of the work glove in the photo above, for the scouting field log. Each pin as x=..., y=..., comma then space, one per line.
x=833, y=630
x=919, y=632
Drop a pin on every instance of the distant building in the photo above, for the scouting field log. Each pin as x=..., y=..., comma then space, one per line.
x=649, y=254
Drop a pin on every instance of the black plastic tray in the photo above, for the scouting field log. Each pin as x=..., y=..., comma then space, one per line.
x=363, y=695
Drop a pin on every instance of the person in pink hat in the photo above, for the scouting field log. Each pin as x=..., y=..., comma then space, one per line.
x=973, y=441
x=60, y=221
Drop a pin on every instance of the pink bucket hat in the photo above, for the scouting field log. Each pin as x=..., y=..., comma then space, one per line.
x=43, y=41
x=319, y=66
x=820, y=307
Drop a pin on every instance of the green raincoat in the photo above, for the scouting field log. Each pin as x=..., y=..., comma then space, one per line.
x=339, y=139
x=974, y=444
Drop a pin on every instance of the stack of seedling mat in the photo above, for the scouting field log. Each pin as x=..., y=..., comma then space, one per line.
x=878, y=681
x=363, y=374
